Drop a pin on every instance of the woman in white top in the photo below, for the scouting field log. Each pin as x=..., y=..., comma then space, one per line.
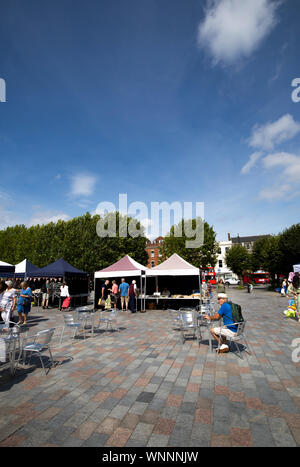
x=8, y=302
x=64, y=293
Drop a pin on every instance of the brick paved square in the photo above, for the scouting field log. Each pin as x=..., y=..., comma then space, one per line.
x=143, y=387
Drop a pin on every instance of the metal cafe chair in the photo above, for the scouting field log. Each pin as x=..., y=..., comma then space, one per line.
x=189, y=325
x=71, y=323
x=174, y=317
x=240, y=336
x=10, y=345
x=37, y=344
x=110, y=317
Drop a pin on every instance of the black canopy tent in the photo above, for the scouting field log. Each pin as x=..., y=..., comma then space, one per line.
x=6, y=269
x=77, y=280
x=25, y=269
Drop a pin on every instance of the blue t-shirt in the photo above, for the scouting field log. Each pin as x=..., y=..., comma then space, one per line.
x=226, y=313
x=124, y=289
x=25, y=302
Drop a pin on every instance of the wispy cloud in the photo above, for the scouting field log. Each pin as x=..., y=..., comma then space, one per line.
x=83, y=185
x=289, y=162
x=266, y=137
x=233, y=29
x=251, y=163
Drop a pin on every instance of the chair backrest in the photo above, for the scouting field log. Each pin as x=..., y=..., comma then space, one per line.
x=69, y=319
x=188, y=318
x=44, y=337
x=114, y=312
x=240, y=328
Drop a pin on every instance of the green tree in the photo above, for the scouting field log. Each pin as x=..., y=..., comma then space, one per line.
x=289, y=245
x=238, y=260
x=203, y=256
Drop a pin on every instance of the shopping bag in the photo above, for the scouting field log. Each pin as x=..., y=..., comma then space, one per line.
x=66, y=302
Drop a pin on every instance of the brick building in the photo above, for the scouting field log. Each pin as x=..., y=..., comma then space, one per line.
x=152, y=249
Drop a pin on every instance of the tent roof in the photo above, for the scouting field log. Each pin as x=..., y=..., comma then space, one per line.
x=3, y=263
x=126, y=266
x=6, y=269
x=174, y=266
x=59, y=268
x=25, y=267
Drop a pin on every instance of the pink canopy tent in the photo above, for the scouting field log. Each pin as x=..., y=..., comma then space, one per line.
x=126, y=267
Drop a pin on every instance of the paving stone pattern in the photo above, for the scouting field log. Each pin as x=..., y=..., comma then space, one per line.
x=143, y=387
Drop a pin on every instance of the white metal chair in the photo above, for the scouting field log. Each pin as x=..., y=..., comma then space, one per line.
x=240, y=336
x=76, y=324
x=189, y=325
x=110, y=317
x=174, y=319
x=37, y=344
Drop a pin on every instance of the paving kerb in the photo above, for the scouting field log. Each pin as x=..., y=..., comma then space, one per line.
x=258, y=396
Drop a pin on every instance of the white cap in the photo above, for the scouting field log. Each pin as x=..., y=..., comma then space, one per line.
x=222, y=295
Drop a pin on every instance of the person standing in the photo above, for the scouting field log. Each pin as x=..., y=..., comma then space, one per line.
x=64, y=293
x=114, y=293
x=210, y=290
x=221, y=287
x=124, y=289
x=132, y=295
x=46, y=291
x=24, y=303
x=283, y=288
x=8, y=302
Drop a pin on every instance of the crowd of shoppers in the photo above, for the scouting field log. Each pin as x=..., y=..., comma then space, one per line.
x=123, y=293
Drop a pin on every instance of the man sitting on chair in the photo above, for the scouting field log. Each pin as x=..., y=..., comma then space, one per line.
x=224, y=312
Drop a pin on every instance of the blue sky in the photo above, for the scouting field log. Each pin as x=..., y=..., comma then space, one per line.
x=163, y=100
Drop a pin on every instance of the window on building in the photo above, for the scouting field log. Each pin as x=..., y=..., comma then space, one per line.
x=152, y=264
x=219, y=251
x=220, y=263
x=152, y=253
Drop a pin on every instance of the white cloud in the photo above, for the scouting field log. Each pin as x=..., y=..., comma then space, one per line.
x=289, y=162
x=288, y=183
x=83, y=185
x=233, y=29
x=46, y=217
x=267, y=136
x=253, y=159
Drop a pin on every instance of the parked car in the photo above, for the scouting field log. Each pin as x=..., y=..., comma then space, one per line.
x=231, y=281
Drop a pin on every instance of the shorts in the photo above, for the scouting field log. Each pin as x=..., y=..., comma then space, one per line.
x=114, y=298
x=225, y=332
x=124, y=299
x=45, y=296
x=23, y=309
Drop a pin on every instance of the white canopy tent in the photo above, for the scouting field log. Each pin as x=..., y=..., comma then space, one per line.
x=174, y=266
x=296, y=267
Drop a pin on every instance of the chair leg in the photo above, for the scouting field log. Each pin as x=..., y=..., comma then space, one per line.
x=42, y=362
x=51, y=355
x=62, y=335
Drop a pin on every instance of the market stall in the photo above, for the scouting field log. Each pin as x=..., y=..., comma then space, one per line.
x=60, y=271
x=126, y=267
x=175, y=283
x=6, y=270
x=25, y=269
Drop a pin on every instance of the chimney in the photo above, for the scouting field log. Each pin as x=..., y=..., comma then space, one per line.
x=229, y=238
